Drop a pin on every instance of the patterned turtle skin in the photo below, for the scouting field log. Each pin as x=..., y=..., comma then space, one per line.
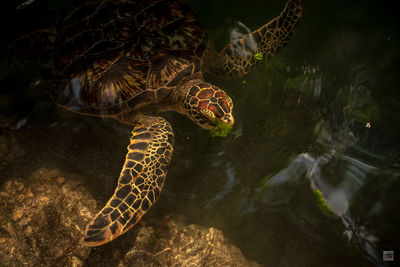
x=131, y=59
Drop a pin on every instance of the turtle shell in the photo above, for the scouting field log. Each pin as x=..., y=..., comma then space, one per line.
x=112, y=56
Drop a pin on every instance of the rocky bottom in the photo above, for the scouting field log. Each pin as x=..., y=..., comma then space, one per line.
x=43, y=217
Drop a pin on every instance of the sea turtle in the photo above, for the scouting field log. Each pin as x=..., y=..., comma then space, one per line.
x=132, y=59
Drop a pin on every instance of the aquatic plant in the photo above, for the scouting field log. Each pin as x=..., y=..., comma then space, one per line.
x=221, y=129
x=258, y=56
x=321, y=202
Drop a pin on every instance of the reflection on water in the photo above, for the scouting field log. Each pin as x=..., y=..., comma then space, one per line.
x=300, y=127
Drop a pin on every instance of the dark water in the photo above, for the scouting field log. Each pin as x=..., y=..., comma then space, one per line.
x=300, y=127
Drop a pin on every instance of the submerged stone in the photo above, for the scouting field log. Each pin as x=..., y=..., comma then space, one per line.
x=43, y=221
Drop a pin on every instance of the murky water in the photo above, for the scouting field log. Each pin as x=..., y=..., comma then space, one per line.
x=301, y=128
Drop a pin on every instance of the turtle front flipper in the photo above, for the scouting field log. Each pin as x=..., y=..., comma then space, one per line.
x=244, y=54
x=139, y=184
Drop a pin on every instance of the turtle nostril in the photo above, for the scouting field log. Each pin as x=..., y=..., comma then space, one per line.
x=229, y=119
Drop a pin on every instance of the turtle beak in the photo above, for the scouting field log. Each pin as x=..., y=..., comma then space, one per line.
x=228, y=119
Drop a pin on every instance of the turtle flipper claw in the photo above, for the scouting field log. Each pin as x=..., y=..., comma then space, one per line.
x=140, y=182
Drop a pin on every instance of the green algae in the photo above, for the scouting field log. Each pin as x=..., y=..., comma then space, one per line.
x=321, y=202
x=221, y=129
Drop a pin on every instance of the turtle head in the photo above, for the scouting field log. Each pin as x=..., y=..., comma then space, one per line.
x=208, y=106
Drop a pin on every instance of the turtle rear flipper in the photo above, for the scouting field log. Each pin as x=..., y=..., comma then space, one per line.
x=140, y=182
x=244, y=54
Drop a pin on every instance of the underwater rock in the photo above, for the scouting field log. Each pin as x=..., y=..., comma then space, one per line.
x=43, y=217
x=183, y=245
